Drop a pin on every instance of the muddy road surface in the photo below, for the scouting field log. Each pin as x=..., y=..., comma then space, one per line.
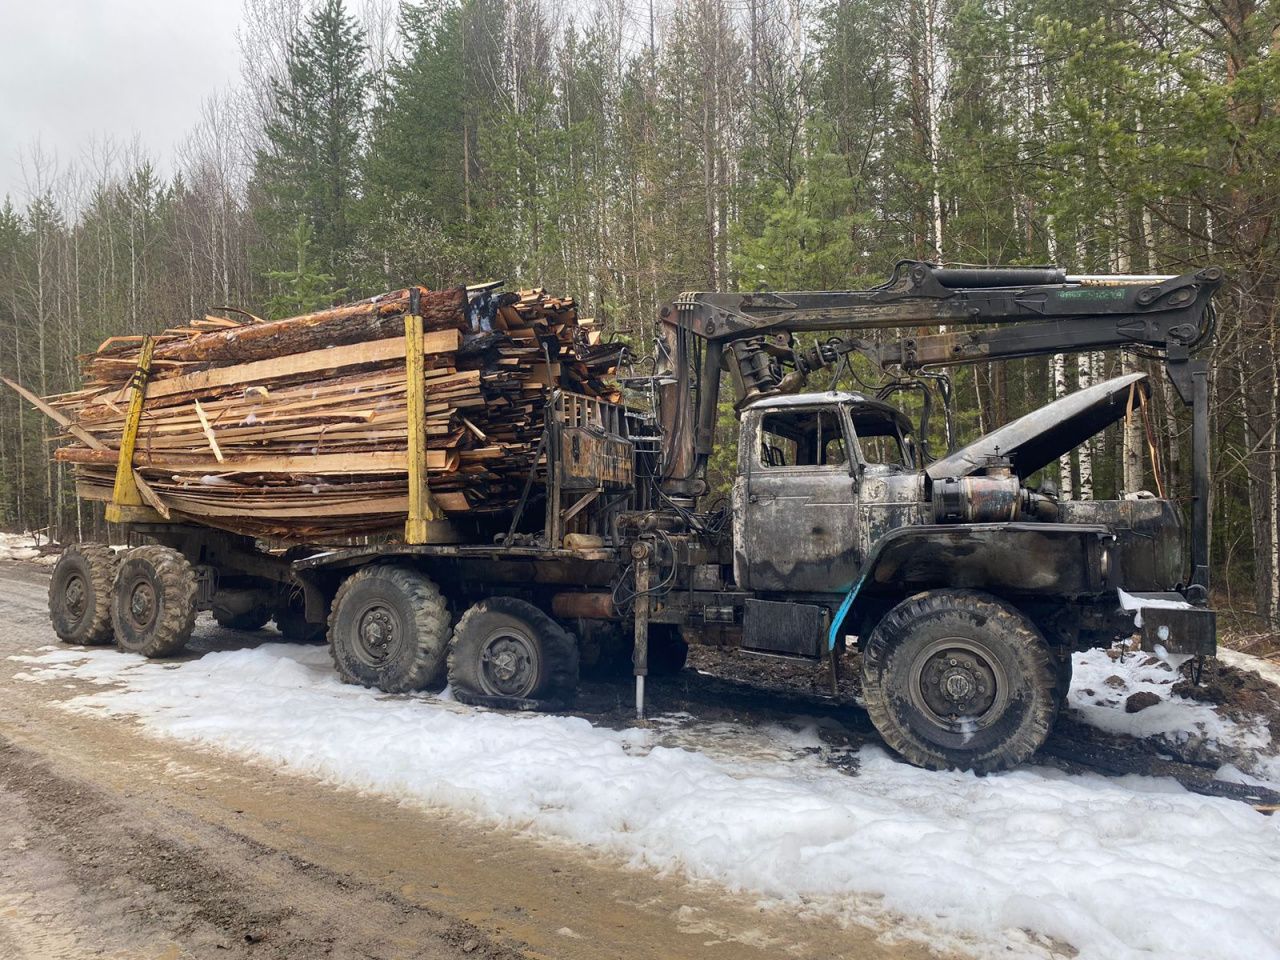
x=115, y=844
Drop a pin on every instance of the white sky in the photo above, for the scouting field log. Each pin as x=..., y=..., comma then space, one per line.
x=75, y=70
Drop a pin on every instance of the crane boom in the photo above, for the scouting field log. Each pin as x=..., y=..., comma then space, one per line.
x=968, y=315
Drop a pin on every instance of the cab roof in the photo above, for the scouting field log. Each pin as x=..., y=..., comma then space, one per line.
x=857, y=401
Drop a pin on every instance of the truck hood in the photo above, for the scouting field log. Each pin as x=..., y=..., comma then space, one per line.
x=1042, y=436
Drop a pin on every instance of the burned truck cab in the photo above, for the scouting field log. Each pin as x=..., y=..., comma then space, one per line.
x=835, y=505
x=802, y=519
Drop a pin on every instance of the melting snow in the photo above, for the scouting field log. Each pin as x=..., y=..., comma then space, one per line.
x=1119, y=868
x=18, y=546
x=1102, y=683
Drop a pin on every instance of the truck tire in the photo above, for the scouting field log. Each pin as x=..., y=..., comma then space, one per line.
x=291, y=620
x=957, y=679
x=389, y=629
x=153, y=601
x=80, y=594
x=508, y=653
x=255, y=618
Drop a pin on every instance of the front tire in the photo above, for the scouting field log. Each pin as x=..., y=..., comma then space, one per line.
x=958, y=679
x=506, y=652
x=153, y=601
x=389, y=629
x=80, y=594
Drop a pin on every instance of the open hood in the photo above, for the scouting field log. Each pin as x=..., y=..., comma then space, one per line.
x=1042, y=436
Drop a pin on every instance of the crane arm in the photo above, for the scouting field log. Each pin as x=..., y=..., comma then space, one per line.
x=980, y=315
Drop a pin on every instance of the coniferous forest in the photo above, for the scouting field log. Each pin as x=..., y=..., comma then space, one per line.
x=623, y=151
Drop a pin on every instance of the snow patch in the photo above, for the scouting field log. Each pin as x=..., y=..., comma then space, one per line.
x=20, y=546
x=1137, y=604
x=1103, y=680
x=1119, y=868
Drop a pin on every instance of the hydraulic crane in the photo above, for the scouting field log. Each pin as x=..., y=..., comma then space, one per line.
x=981, y=315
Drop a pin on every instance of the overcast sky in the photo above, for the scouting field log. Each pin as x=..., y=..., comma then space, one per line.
x=73, y=69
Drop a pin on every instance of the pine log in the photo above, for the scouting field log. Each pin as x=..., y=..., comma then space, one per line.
x=374, y=319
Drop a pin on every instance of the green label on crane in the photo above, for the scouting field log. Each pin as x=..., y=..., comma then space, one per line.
x=1093, y=293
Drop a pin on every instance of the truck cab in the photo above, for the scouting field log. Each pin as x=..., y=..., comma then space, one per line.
x=801, y=523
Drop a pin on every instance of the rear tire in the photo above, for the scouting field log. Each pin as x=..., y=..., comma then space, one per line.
x=960, y=679
x=253, y=619
x=506, y=652
x=153, y=601
x=291, y=620
x=80, y=594
x=389, y=629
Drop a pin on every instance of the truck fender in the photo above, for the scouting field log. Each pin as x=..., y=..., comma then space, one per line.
x=1045, y=559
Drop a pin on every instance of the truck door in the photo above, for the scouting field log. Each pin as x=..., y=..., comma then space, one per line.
x=796, y=501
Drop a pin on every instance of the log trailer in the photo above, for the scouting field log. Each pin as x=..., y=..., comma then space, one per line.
x=964, y=584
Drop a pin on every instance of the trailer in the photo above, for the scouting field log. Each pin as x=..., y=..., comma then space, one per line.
x=962, y=580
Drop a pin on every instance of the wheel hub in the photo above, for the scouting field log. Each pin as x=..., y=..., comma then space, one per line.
x=508, y=665
x=958, y=683
x=378, y=632
x=76, y=597
x=142, y=603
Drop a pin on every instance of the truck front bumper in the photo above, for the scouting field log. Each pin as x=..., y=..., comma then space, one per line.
x=1169, y=622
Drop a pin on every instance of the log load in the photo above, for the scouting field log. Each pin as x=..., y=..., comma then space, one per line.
x=296, y=430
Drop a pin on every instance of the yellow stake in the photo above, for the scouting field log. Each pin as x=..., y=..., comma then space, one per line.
x=126, y=497
x=426, y=522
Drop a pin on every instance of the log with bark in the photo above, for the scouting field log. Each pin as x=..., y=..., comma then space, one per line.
x=296, y=429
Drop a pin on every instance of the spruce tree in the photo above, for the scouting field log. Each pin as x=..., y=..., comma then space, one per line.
x=311, y=163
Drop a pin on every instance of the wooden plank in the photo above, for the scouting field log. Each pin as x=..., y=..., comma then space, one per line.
x=208, y=432
x=374, y=461
x=313, y=361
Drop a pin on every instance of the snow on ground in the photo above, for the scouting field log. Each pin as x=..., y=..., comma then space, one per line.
x=18, y=546
x=1105, y=679
x=1118, y=868
x=1267, y=669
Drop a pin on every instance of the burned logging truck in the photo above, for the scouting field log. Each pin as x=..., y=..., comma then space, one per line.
x=467, y=497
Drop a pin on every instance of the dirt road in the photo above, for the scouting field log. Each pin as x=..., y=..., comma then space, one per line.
x=118, y=845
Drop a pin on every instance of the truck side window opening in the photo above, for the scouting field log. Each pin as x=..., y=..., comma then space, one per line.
x=880, y=441
x=804, y=438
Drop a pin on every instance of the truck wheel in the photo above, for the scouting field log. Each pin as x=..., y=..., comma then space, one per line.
x=959, y=679
x=291, y=621
x=506, y=652
x=389, y=629
x=255, y=618
x=80, y=593
x=153, y=601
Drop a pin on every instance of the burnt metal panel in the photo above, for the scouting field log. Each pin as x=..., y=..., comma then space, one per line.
x=1044, y=558
x=790, y=629
x=589, y=457
x=1191, y=630
x=1039, y=438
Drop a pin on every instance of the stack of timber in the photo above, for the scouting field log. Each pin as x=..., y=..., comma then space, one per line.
x=296, y=429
